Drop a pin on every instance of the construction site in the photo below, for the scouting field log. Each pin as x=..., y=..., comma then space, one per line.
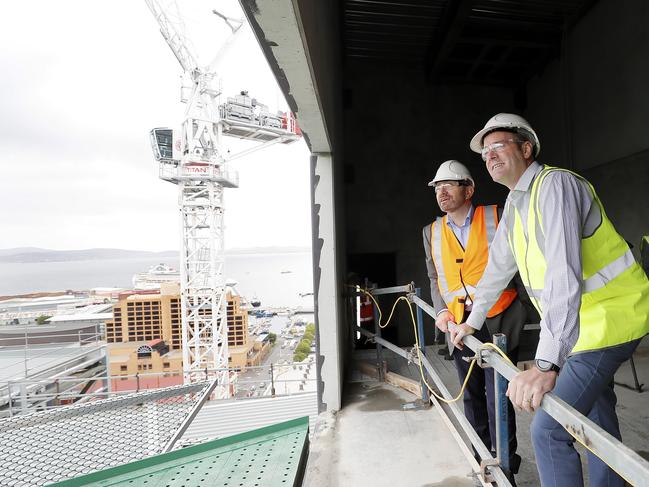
x=382, y=92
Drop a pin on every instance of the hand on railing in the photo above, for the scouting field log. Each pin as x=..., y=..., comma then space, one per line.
x=443, y=319
x=458, y=332
x=526, y=389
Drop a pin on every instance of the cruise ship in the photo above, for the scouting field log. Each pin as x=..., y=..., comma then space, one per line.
x=156, y=275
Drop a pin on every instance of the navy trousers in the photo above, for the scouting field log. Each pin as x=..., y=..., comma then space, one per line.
x=479, y=400
x=586, y=383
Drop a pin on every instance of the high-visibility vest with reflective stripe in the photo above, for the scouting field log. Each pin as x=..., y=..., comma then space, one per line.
x=458, y=269
x=615, y=291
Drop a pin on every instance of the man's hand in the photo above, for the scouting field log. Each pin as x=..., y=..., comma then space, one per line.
x=526, y=390
x=442, y=320
x=459, y=332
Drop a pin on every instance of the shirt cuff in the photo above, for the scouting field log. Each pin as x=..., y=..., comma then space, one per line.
x=441, y=311
x=552, y=351
x=476, y=319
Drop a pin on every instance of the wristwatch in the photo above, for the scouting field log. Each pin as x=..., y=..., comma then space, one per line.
x=546, y=366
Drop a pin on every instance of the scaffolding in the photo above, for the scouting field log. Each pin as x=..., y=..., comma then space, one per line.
x=627, y=463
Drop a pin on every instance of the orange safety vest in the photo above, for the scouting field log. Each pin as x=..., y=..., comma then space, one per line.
x=458, y=269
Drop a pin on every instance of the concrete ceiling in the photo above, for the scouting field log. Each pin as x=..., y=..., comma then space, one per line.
x=498, y=42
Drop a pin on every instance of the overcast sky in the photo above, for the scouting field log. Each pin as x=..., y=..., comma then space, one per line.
x=82, y=84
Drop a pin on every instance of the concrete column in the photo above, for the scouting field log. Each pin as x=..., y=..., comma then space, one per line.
x=326, y=287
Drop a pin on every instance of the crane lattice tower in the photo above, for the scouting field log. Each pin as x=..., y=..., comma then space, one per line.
x=193, y=158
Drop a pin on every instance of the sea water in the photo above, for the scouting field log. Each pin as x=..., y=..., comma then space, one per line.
x=277, y=279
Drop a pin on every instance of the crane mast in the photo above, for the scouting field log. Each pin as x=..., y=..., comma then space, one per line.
x=193, y=159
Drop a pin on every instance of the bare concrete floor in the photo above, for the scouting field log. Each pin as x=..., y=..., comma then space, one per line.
x=379, y=439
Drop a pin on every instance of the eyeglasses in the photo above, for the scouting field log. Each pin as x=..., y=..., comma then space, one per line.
x=450, y=184
x=496, y=147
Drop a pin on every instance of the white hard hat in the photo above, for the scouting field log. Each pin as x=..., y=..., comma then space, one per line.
x=510, y=123
x=452, y=171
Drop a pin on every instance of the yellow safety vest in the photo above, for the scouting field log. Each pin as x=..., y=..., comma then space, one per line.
x=458, y=269
x=615, y=291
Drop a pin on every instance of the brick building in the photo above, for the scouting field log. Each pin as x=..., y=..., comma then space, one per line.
x=145, y=336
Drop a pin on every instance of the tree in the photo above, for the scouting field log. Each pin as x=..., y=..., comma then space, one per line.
x=272, y=338
x=299, y=356
x=309, y=335
x=310, y=328
x=304, y=347
x=42, y=319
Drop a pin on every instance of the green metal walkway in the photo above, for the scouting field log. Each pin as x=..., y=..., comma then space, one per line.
x=267, y=457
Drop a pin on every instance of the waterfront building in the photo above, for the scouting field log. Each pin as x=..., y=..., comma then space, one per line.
x=26, y=310
x=145, y=337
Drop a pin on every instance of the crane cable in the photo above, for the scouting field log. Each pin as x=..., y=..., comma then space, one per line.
x=468, y=374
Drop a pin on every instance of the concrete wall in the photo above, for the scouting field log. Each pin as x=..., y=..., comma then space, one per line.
x=373, y=160
x=321, y=31
x=590, y=108
x=321, y=28
x=593, y=105
x=398, y=129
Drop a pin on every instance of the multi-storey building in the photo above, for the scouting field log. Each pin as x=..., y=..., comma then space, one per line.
x=145, y=336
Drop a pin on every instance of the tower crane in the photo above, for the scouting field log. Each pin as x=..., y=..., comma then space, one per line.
x=193, y=158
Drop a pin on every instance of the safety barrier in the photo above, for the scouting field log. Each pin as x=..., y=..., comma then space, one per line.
x=627, y=463
x=24, y=396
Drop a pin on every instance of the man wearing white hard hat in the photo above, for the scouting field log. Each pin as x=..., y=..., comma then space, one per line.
x=456, y=247
x=592, y=296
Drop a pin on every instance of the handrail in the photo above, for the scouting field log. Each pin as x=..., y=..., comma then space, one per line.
x=626, y=462
x=38, y=393
x=8, y=335
x=475, y=440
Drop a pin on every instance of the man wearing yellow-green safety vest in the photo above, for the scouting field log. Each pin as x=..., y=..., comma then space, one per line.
x=456, y=248
x=592, y=296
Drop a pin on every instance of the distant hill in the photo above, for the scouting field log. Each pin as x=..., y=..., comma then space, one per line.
x=27, y=255
x=21, y=250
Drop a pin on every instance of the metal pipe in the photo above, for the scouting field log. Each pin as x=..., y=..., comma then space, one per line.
x=427, y=308
x=408, y=288
x=190, y=417
x=502, y=412
x=475, y=440
x=379, y=348
x=383, y=342
x=422, y=346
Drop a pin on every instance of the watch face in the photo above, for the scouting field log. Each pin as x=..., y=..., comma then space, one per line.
x=543, y=365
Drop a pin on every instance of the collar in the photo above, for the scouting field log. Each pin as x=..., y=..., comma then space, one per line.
x=467, y=220
x=525, y=181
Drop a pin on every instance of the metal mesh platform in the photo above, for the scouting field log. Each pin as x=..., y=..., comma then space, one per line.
x=44, y=447
x=274, y=456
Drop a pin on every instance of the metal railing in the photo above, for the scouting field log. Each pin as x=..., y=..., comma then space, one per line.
x=627, y=463
x=37, y=347
x=28, y=395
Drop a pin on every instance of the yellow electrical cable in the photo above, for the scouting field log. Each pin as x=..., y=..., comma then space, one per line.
x=421, y=370
x=468, y=374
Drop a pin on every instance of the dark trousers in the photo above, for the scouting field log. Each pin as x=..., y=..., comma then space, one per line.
x=586, y=383
x=479, y=399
